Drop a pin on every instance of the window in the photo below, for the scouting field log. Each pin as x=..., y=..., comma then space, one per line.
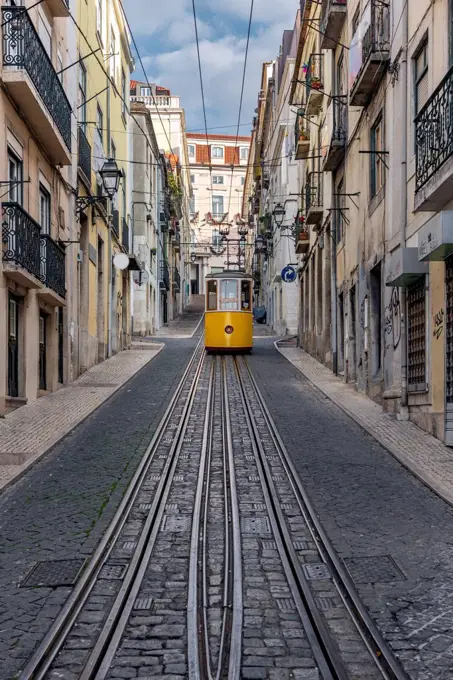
x=82, y=96
x=45, y=33
x=416, y=336
x=15, y=177
x=421, y=77
x=355, y=20
x=123, y=93
x=376, y=320
x=215, y=238
x=112, y=54
x=191, y=149
x=217, y=152
x=217, y=179
x=100, y=122
x=192, y=205
x=340, y=200
x=228, y=294
x=212, y=295
x=244, y=153
x=113, y=149
x=192, y=179
x=217, y=205
x=376, y=160
x=242, y=181
x=246, y=295
x=145, y=91
x=44, y=209
x=99, y=18
x=60, y=66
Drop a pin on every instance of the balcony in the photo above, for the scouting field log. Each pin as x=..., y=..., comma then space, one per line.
x=84, y=156
x=314, y=198
x=59, y=8
x=164, y=276
x=333, y=15
x=334, y=146
x=434, y=149
x=176, y=279
x=32, y=259
x=369, y=56
x=176, y=241
x=302, y=135
x=53, y=270
x=302, y=239
x=125, y=239
x=32, y=82
x=314, y=82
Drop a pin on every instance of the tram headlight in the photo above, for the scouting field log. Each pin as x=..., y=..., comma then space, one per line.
x=229, y=329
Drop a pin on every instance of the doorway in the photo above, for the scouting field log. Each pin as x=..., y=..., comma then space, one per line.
x=42, y=351
x=13, y=346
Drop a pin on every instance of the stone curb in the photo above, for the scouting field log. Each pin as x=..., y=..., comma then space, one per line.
x=444, y=491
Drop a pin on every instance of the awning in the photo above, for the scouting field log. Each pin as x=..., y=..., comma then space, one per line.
x=134, y=264
x=405, y=268
x=435, y=241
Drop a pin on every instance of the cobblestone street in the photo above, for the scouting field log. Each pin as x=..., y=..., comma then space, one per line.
x=128, y=512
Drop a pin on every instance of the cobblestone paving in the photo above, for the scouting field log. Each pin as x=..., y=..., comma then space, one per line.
x=61, y=507
x=372, y=508
x=27, y=433
x=186, y=324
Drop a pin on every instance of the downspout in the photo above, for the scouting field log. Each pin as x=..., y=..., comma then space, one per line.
x=333, y=297
x=403, y=225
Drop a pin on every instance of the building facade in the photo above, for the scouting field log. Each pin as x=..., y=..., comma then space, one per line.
x=168, y=120
x=218, y=167
x=36, y=142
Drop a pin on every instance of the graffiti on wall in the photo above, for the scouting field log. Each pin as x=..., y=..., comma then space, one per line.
x=438, y=323
x=392, y=318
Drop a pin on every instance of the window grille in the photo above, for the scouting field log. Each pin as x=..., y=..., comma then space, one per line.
x=416, y=336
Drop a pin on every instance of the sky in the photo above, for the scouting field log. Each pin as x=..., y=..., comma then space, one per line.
x=165, y=37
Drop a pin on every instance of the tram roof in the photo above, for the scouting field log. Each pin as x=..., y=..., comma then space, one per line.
x=229, y=275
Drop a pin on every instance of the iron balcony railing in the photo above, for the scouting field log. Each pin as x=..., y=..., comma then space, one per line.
x=176, y=278
x=377, y=35
x=315, y=74
x=116, y=223
x=24, y=245
x=84, y=158
x=313, y=191
x=165, y=274
x=434, y=132
x=340, y=120
x=21, y=239
x=53, y=269
x=125, y=235
x=23, y=49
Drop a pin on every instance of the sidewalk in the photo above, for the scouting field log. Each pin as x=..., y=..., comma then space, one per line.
x=27, y=433
x=426, y=457
x=184, y=326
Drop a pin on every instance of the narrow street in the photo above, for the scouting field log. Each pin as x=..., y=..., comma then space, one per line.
x=220, y=517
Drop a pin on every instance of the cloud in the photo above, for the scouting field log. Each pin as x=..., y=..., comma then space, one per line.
x=167, y=42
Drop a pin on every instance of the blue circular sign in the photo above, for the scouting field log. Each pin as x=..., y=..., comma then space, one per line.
x=289, y=274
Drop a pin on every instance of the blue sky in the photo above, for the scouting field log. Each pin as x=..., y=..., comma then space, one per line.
x=166, y=40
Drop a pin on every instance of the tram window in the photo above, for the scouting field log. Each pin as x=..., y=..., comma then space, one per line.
x=246, y=294
x=212, y=295
x=228, y=294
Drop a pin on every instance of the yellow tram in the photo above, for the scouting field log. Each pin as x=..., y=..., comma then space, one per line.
x=228, y=317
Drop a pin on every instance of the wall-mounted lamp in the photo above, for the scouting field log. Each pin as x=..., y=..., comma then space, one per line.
x=111, y=176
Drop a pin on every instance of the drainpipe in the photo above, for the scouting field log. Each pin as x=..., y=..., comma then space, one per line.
x=403, y=71
x=333, y=297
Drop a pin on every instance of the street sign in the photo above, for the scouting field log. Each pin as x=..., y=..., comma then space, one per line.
x=288, y=274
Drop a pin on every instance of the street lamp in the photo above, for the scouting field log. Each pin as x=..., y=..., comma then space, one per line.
x=279, y=214
x=243, y=230
x=224, y=230
x=111, y=176
x=260, y=244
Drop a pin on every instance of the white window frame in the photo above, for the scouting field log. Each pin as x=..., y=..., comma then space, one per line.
x=192, y=179
x=191, y=150
x=215, y=155
x=16, y=168
x=99, y=19
x=215, y=179
x=244, y=149
x=44, y=209
x=221, y=201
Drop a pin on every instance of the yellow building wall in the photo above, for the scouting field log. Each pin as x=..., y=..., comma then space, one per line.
x=437, y=333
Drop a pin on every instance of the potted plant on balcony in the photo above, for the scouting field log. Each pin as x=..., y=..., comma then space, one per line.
x=304, y=135
x=316, y=83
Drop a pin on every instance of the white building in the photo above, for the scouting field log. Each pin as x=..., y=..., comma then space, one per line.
x=218, y=167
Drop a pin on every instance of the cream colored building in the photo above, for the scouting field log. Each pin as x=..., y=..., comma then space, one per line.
x=218, y=169
x=37, y=140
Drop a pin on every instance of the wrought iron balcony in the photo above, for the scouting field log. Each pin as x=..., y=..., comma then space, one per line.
x=335, y=146
x=164, y=275
x=29, y=76
x=125, y=236
x=369, y=55
x=302, y=135
x=116, y=223
x=333, y=15
x=176, y=278
x=314, y=83
x=302, y=241
x=434, y=148
x=53, y=269
x=21, y=241
x=314, y=198
x=84, y=158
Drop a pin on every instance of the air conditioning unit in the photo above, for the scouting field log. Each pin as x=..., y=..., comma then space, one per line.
x=80, y=256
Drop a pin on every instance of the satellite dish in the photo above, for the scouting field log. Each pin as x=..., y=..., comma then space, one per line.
x=121, y=261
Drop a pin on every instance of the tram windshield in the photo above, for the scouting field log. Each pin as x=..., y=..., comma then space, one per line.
x=212, y=295
x=228, y=294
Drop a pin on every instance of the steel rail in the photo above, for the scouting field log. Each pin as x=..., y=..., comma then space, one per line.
x=47, y=651
x=379, y=649
x=325, y=652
